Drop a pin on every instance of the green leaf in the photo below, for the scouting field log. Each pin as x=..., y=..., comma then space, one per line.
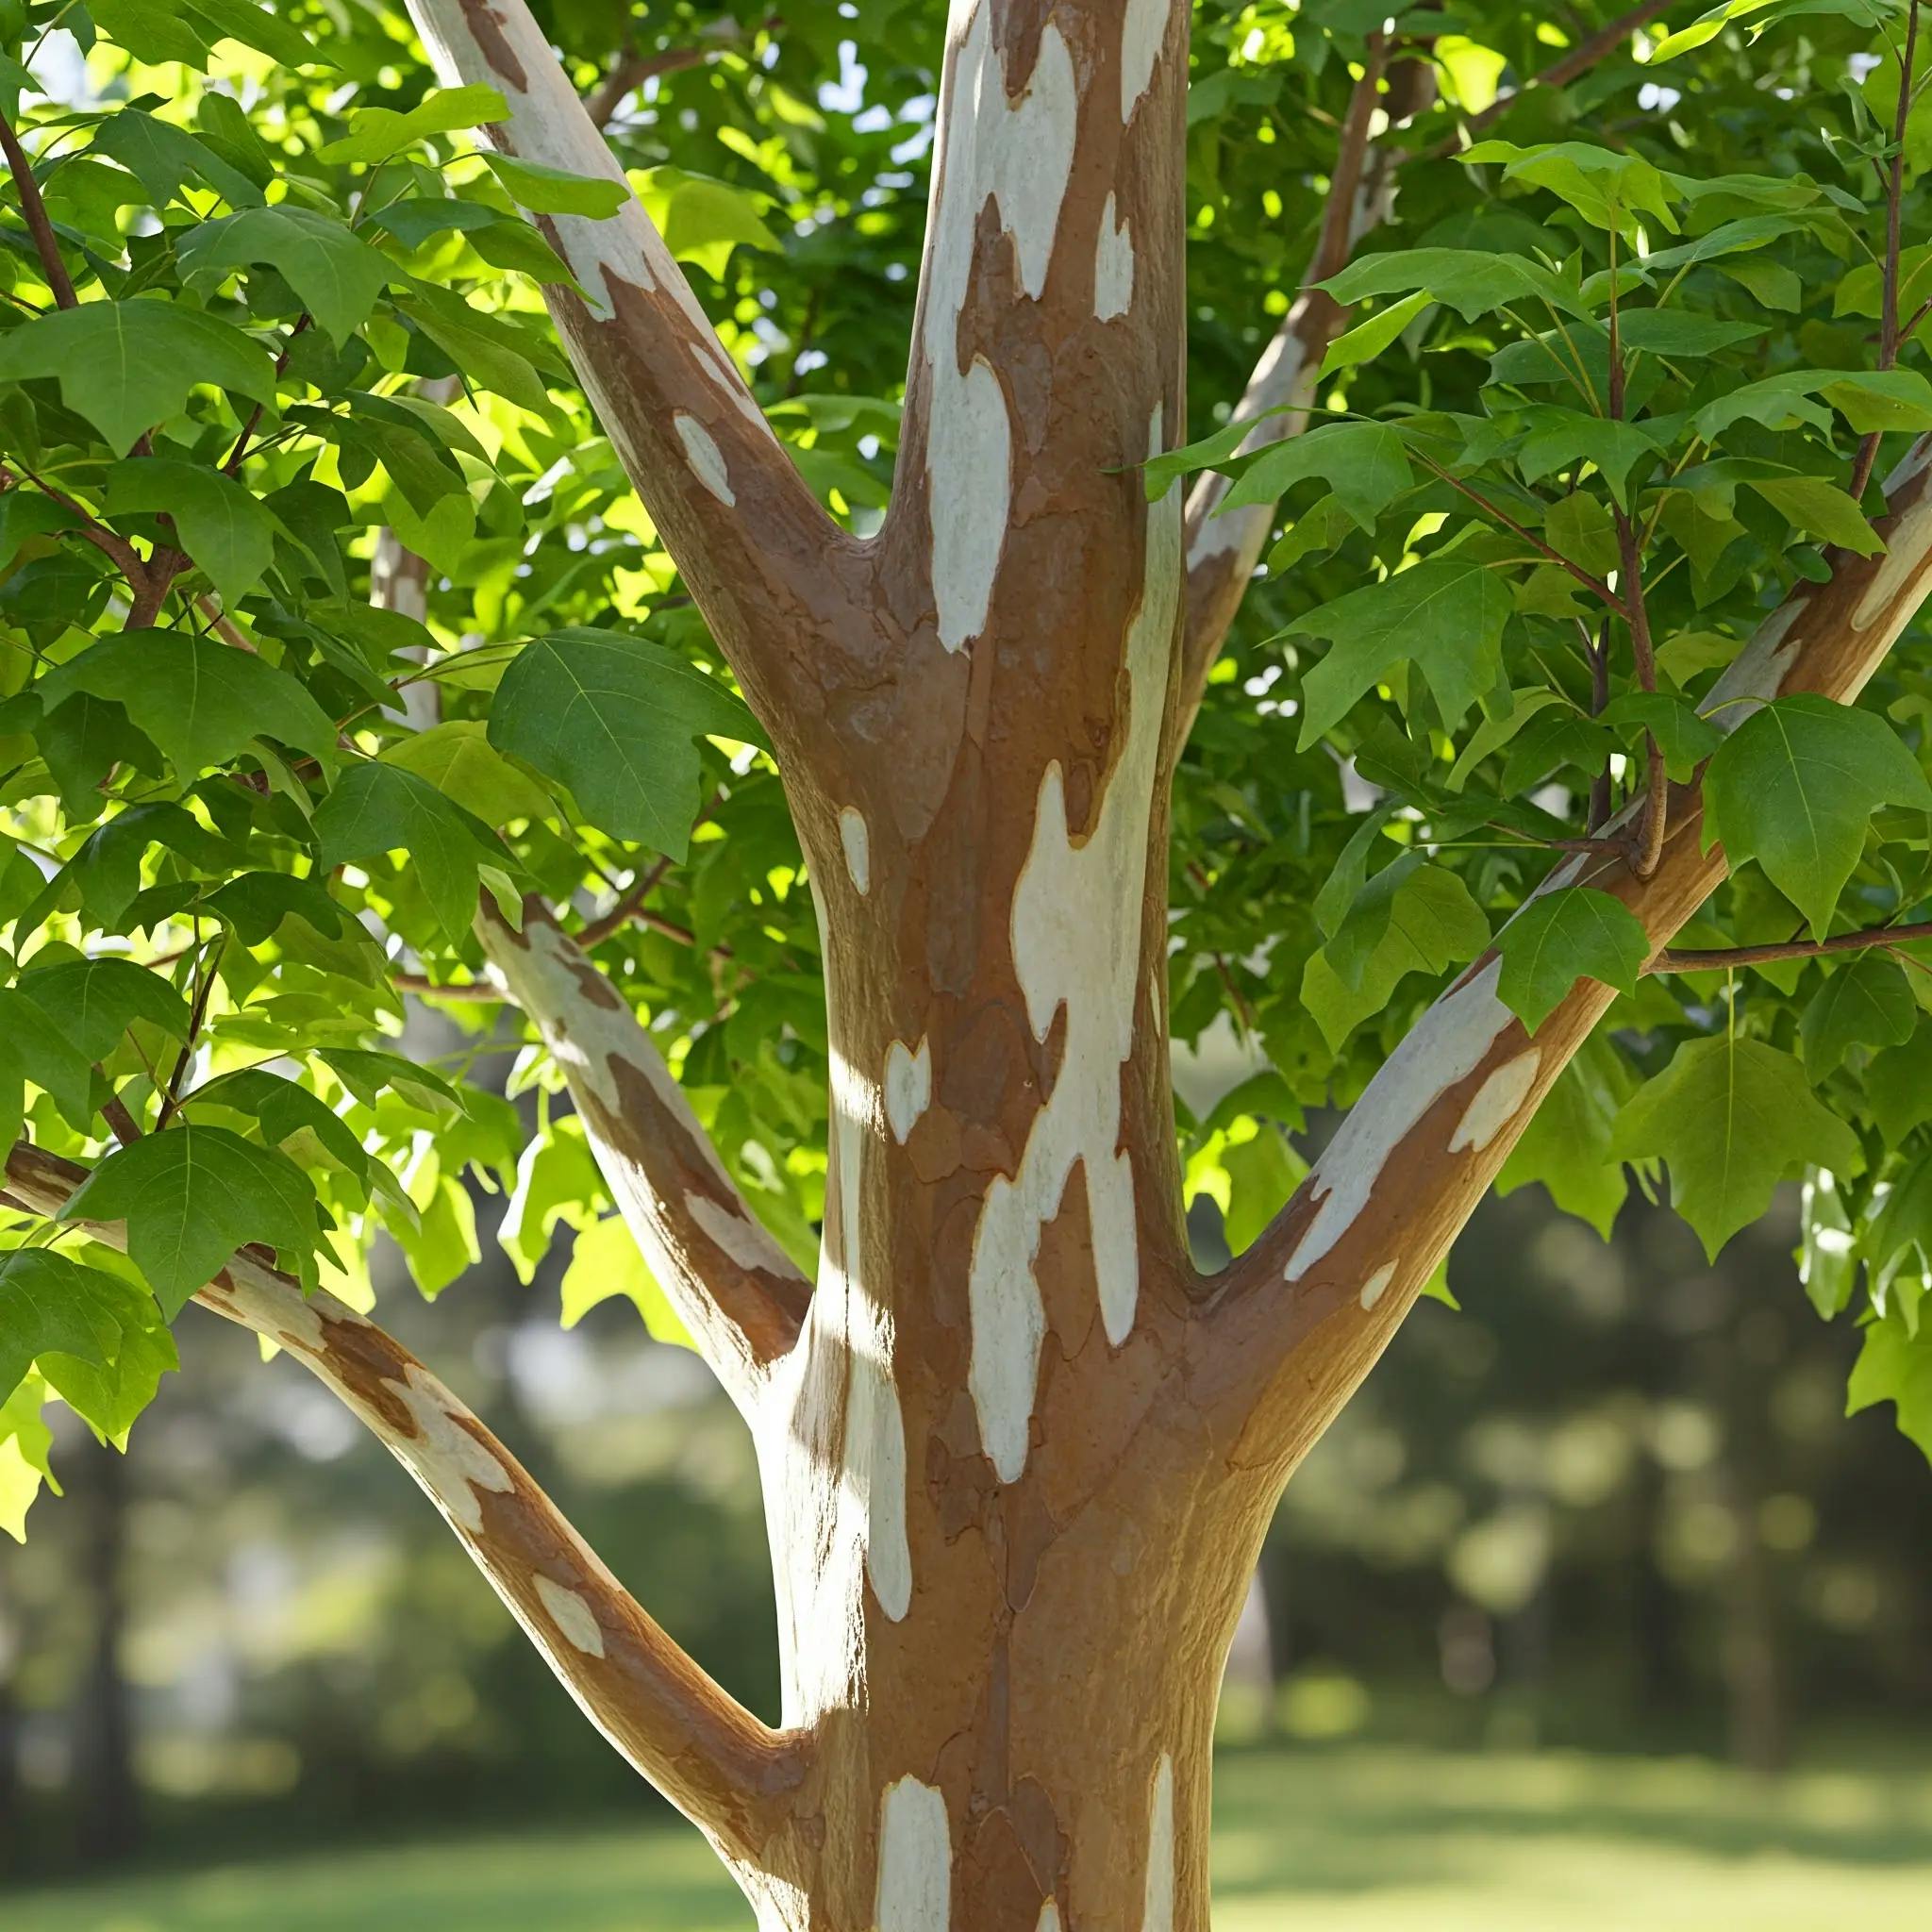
x=1567, y=1144
x=201, y=702
x=556, y=1180
x=99, y=1339
x=378, y=809
x=1895, y=1366
x=99, y=999
x=616, y=718
x=604, y=1262
x=1559, y=439
x=1827, y=1256
x=1607, y=186
x=221, y=525
x=1446, y=616
x=376, y=133
x=1866, y=1003
x=1367, y=340
x=126, y=366
x=1684, y=737
x=51, y=1302
x=1492, y=734
x=1365, y=464
x=1433, y=924
x=489, y=357
x=1472, y=282
x=336, y=272
x=546, y=190
x=703, y=219
x=1561, y=937
x=25, y=1441
x=458, y=759
x=287, y=1116
x=1731, y=1118
x=1898, y=1085
x=1820, y=509
x=1262, y=1172
x=192, y=1195
x=1681, y=332
x=1869, y=400
x=189, y=31
x=34, y=1047
x=165, y=157
x=1796, y=786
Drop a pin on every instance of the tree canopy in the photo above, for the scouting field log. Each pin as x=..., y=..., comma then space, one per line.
x=326, y=606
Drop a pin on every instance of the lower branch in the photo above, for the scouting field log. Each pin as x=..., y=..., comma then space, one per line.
x=737, y=1290
x=1393, y=1189
x=716, y=1763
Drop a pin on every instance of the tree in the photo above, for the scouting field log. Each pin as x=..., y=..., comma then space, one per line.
x=1576, y=579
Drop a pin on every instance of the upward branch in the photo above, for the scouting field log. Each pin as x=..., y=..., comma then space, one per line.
x=766, y=564
x=715, y=1761
x=734, y=1287
x=1315, y=1300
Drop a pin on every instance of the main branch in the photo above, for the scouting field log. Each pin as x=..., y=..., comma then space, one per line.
x=716, y=1763
x=749, y=536
x=1311, y=1305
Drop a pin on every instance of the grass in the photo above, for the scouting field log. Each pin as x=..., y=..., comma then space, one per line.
x=1354, y=1839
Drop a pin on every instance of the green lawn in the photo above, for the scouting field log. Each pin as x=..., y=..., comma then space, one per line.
x=1330, y=1841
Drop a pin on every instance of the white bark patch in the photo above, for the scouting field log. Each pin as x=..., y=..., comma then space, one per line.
x=915, y=1889
x=908, y=1086
x=547, y=124
x=1141, y=33
x=1906, y=550
x=1758, y=669
x=876, y=1468
x=707, y=458
x=1443, y=1049
x=1497, y=1102
x=745, y=1241
x=1376, y=1285
x=1077, y=910
x=1113, y=266
x=872, y=1458
x=1157, y=1913
x=709, y=355
x=449, y=1463
x=576, y=1623
x=1018, y=155
x=856, y=835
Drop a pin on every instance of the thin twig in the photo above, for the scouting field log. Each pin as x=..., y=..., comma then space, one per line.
x=633, y=70
x=1649, y=844
x=197, y=1016
x=1706, y=959
x=46, y=244
x=1595, y=584
x=1889, y=334
x=630, y=907
x=110, y=543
